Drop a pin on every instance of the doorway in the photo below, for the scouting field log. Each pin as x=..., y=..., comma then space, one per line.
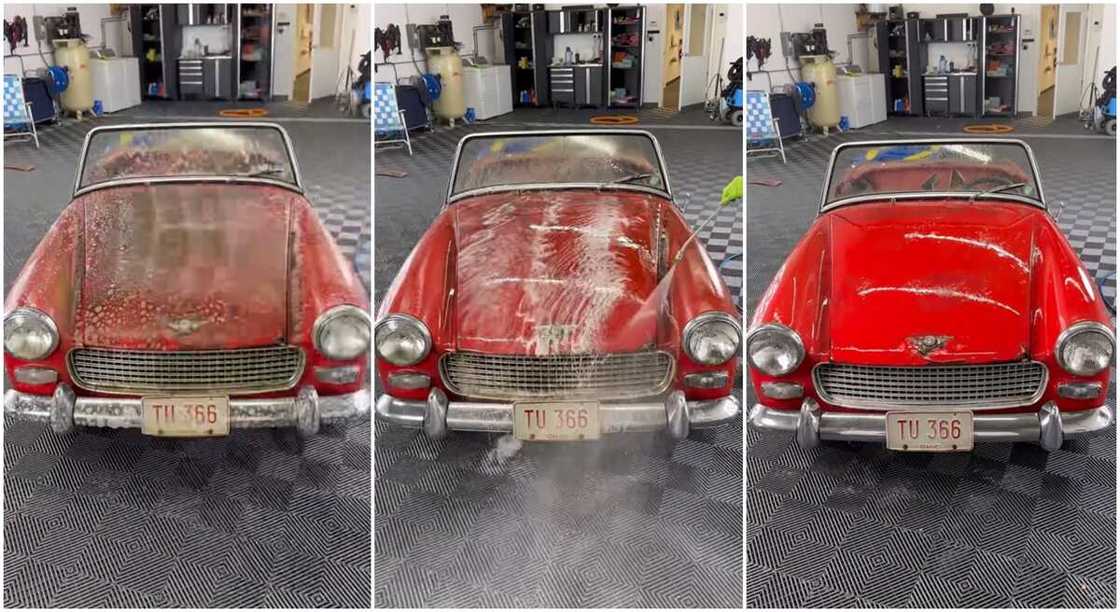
x=672, y=52
x=305, y=22
x=1048, y=59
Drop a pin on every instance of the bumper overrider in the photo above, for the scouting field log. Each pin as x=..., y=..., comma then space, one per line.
x=673, y=414
x=305, y=411
x=1048, y=427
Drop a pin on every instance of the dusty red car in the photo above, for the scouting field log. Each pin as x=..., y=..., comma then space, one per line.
x=933, y=303
x=188, y=288
x=559, y=295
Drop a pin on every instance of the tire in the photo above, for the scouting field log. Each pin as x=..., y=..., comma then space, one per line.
x=1110, y=127
x=365, y=110
x=737, y=118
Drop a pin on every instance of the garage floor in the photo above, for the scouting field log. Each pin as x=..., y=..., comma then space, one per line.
x=116, y=519
x=481, y=521
x=1006, y=526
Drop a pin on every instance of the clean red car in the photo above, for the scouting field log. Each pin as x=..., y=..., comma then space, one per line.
x=933, y=303
x=560, y=295
x=188, y=288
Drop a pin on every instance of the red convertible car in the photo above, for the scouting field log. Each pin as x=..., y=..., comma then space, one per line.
x=933, y=303
x=188, y=288
x=559, y=295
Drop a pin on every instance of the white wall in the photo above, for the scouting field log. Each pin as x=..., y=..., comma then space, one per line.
x=1100, y=44
x=770, y=20
x=90, y=14
x=464, y=17
x=356, y=20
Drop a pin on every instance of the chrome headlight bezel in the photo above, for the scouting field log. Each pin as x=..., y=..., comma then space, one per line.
x=1077, y=329
x=703, y=319
x=390, y=321
x=331, y=315
x=798, y=347
x=34, y=314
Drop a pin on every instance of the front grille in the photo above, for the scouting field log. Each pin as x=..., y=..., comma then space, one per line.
x=620, y=376
x=250, y=370
x=997, y=385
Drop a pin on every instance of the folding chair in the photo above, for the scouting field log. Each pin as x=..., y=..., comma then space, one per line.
x=388, y=120
x=18, y=121
x=762, y=126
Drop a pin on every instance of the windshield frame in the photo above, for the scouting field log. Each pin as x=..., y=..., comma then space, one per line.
x=827, y=205
x=296, y=186
x=452, y=196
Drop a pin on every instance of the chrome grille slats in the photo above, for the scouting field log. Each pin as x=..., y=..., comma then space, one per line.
x=615, y=376
x=248, y=370
x=996, y=385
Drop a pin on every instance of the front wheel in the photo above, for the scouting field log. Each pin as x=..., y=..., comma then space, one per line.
x=737, y=118
x=1110, y=127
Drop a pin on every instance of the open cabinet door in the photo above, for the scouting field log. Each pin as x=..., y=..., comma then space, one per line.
x=325, y=50
x=284, y=50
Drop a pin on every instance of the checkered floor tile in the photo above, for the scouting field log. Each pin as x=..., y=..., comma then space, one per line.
x=1005, y=526
x=633, y=521
x=115, y=519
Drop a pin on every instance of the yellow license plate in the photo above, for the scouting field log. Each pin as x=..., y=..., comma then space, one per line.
x=929, y=431
x=185, y=417
x=556, y=421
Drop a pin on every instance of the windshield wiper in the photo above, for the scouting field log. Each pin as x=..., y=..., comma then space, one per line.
x=999, y=189
x=633, y=177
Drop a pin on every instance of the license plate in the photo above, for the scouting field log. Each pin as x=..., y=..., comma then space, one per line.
x=555, y=421
x=185, y=417
x=929, y=431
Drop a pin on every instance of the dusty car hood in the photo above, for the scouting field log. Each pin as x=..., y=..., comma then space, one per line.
x=551, y=272
x=930, y=281
x=184, y=266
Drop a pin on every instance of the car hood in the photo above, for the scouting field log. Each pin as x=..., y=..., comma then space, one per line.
x=184, y=266
x=553, y=272
x=930, y=281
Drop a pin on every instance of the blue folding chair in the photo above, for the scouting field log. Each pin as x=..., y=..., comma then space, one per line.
x=762, y=126
x=18, y=121
x=388, y=120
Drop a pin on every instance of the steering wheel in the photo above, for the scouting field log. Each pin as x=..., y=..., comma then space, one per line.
x=990, y=181
x=859, y=185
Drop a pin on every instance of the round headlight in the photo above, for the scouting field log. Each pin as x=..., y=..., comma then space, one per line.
x=402, y=340
x=775, y=349
x=29, y=334
x=342, y=332
x=711, y=338
x=1085, y=348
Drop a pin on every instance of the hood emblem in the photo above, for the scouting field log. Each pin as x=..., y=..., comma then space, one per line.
x=551, y=337
x=184, y=327
x=927, y=344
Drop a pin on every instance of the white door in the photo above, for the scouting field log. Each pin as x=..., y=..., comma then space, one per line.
x=1071, y=59
x=694, y=63
x=325, y=50
x=284, y=50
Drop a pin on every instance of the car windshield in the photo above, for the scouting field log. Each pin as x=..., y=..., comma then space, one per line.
x=907, y=168
x=563, y=159
x=206, y=151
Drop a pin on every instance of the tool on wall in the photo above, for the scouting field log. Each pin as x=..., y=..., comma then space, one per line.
x=15, y=32
x=759, y=48
x=388, y=40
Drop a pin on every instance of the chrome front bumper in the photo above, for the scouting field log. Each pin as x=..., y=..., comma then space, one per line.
x=305, y=411
x=438, y=415
x=1048, y=427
